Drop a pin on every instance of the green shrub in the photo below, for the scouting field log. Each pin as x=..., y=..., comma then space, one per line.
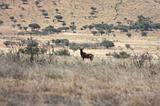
x=122, y=28
x=62, y=52
x=37, y=3
x=4, y=6
x=121, y=55
x=124, y=54
x=64, y=23
x=34, y=26
x=62, y=42
x=57, y=10
x=85, y=26
x=94, y=32
x=45, y=14
x=115, y=55
x=7, y=43
x=107, y=43
x=156, y=26
x=50, y=29
x=24, y=1
x=142, y=24
x=73, y=27
x=128, y=46
x=129, y=35
x=101, y=32
x=31, y=49
x=53, y=40
x=85, y=45
x=32, y=43
x=58, y=17
x=32, y=33
x=61, y=29
x=25, y=28
x=1, y=22
x=144, y=34
x=74, y=46
x=12, y=17
x=93, y=8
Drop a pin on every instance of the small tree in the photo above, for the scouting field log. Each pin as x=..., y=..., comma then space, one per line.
x=32, y=48
x=34, y=26
x=73, y=26
x=25, y=28
x=93, y=8
x=94, y=32
x=64, y=23
x=121, y=55
x=107, y=43
x=74, y=46
x=63, y=29
x=25, y=1
x=45, y=14
x=129, y=35
x=7, y=43
x=58, y=17
x=12, y=17
x=50, y=29
x=128, y=46
x=57, y=10
x=1, y=22
x=4, y=6
x=144, y=34
x=62, y=52
x=37, y=3
x=62, y=42
x=101, y=32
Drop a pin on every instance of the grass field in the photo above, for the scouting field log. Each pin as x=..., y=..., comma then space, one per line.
x=68, y=81
x=50, y=79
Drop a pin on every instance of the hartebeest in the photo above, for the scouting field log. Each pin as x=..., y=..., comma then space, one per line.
x=86, y=55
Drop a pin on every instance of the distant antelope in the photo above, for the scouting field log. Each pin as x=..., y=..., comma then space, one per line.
x=85, y=55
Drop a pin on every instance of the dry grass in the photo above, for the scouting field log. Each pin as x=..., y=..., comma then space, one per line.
x=68, y=81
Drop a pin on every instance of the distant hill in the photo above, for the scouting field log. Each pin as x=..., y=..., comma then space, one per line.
x=64, y=12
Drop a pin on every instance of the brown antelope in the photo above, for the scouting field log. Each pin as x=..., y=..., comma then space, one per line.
x=86, y=55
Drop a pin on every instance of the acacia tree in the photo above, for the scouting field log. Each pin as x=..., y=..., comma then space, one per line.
x=4, y=6
x=107, y=43
x=1, y=22
x=31, y=49
x=45, y=14
x=34, y=26
x=24, y=1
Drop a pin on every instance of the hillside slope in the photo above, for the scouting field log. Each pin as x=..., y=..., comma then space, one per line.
x=81, y=12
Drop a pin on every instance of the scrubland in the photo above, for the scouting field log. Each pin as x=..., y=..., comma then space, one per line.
x=69, y=81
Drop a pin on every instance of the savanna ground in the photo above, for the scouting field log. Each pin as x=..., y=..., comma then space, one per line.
x=68, y=81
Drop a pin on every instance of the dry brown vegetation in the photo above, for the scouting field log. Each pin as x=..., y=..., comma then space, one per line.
x=25, y=14
x=68, y=81
x=127, y=74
